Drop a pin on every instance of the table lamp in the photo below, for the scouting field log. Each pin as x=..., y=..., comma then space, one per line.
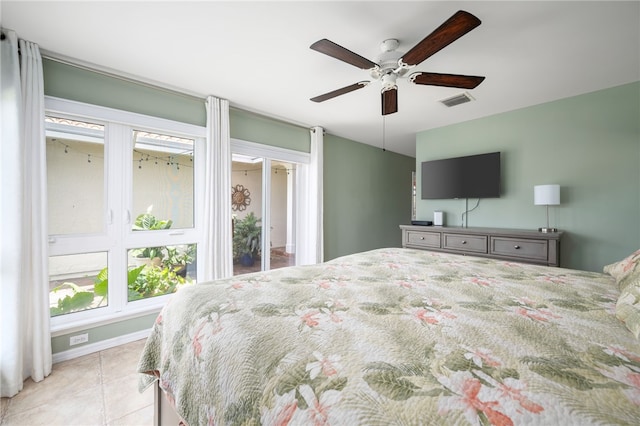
x=546, y=195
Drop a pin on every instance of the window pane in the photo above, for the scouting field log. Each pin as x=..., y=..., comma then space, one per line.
x=163, y=180
x=75, y=149
x=246, y=205
x=282, y=227
x=154, y=271
x=77, y=282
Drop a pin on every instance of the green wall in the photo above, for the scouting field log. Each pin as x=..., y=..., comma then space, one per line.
x=588, y=144
x=60, y=343
x=78, y=84
x=259, y=129
x=69, y=82
x=367, y=195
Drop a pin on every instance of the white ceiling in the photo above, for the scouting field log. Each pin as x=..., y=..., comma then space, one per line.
x=256, y=54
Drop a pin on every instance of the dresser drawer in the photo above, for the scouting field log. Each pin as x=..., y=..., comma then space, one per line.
x=423, y=239
x=467, y=243
x=526, y=249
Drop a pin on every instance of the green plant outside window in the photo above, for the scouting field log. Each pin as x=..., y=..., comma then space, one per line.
x=160, y=270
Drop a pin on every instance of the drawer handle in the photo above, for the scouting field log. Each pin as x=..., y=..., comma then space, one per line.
x=516, y=247
x=464, y=242
x=422, y=238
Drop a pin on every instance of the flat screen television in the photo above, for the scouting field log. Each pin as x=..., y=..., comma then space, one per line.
x=473, y=176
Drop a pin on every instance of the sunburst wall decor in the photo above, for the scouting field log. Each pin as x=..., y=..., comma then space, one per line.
x=240, y=198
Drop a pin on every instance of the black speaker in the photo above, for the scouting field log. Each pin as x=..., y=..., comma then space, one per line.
x=422, y=222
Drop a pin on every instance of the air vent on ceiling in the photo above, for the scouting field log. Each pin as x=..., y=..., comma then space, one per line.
x=457, y=99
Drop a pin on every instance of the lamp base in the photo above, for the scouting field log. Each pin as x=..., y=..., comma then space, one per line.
x=547, y=230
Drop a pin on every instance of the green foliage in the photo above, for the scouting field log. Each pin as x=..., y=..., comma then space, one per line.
x=82, y=298
x=101, y=287
x=79, y=300
x=166, y=272
x=143, y=281
x=148, y=222
x=175, y=257
x=132, y=274
x=167, y=255
x=154, y=280
x=247, y=236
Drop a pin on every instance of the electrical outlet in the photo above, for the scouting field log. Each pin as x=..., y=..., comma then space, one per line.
x=79, y=338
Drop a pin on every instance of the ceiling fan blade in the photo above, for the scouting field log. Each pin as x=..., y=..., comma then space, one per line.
x=389, y=101
x=446, y=80
x=341, y=91
x=336, y=51
x=455, y=27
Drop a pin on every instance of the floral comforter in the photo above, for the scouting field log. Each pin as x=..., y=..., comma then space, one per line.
x=398, y=336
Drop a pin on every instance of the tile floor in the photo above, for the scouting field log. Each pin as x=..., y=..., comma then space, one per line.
x=98, y=389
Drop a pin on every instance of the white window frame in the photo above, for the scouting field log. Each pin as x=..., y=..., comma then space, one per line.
x=118, y=236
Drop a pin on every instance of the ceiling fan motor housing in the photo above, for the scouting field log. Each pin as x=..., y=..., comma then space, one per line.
x=388, y=81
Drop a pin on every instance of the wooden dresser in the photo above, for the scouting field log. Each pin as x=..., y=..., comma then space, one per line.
x=508, y=244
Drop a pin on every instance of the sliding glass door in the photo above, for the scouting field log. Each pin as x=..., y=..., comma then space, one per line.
x=282, y=215
x=246, y=214
x=263, y=186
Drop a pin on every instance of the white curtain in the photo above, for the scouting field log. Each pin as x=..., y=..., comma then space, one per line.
x=309, y=236
x=25, y=338
x=217, y=250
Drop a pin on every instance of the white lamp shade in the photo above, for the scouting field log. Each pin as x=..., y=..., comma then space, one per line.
x=546, y=195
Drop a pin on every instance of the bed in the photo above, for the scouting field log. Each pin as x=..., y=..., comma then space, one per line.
x=401, y=336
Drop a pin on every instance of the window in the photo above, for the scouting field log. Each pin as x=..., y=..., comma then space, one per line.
x=163, y=177
x=122, y=206
x=74, y=284
x=77, y=205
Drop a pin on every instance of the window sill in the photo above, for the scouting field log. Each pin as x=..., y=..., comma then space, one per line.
x=106, y=319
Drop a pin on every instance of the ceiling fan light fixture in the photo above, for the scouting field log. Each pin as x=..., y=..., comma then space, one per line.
x=389, y=81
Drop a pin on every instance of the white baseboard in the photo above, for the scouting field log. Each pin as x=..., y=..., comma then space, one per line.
x=100, y=346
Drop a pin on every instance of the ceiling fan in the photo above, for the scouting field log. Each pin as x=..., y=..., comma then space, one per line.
x=393, y=64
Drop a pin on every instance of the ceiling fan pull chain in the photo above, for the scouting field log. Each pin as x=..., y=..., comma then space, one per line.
x=384, y=132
